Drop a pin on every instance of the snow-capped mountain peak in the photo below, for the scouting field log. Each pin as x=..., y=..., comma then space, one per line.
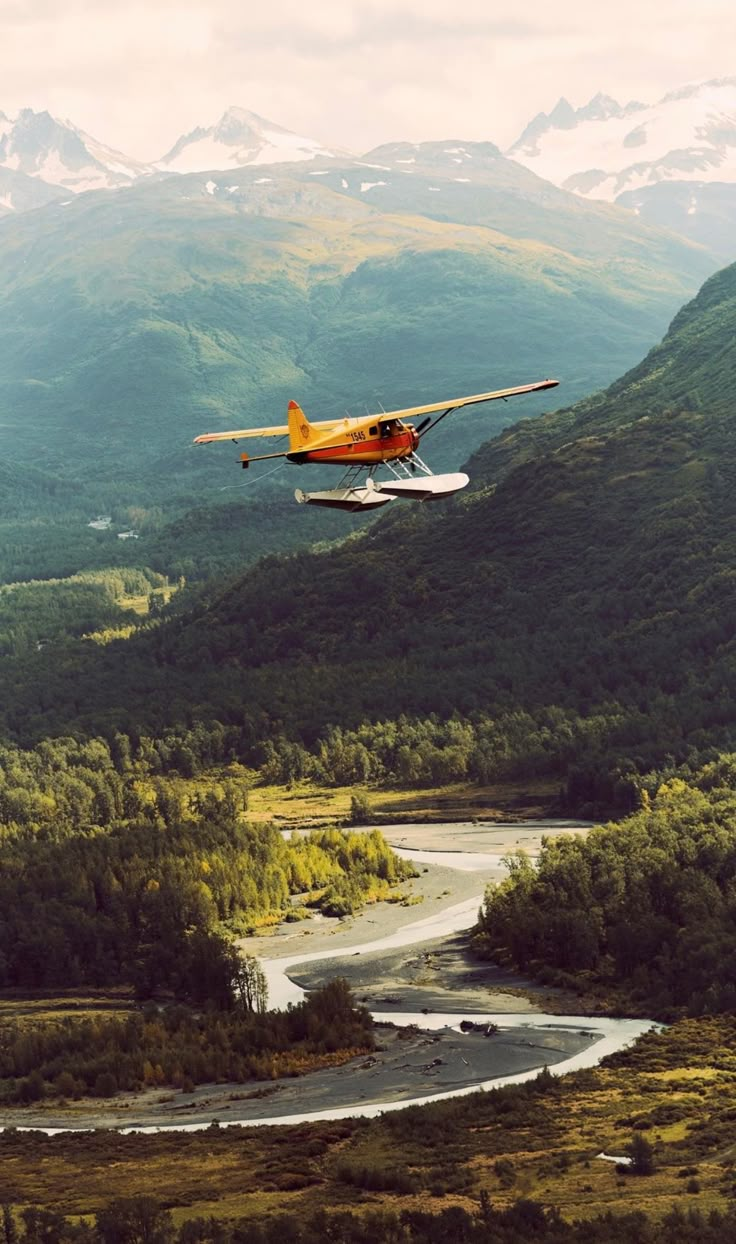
x=240, y=137
x=605, y=149
x=57, y=152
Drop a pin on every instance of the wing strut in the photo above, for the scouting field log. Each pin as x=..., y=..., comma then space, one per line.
x=429, y=424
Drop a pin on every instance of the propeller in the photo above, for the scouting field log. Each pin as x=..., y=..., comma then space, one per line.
x=423, y=425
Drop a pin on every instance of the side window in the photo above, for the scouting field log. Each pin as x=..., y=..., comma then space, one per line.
x=374, y=430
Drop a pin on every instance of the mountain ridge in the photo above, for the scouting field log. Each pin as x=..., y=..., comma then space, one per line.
x=690, y=131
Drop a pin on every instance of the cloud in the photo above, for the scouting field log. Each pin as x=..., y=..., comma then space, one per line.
x=352, y=73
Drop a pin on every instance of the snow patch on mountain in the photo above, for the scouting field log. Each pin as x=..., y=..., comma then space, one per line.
x=21, y=193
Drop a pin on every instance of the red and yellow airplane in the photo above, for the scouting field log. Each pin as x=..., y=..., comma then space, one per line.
x=364, y=444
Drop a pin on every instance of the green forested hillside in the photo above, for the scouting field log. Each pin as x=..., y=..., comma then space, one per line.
x=570, y=615
x=600, y=577
x=692, y=369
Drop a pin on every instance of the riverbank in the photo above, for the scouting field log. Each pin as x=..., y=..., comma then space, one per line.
x=408, y=1064
x=454, y=861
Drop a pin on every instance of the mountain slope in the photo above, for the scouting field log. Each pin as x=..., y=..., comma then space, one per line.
x=21, y=193
x=703, y=212
x=475, y=184
x=692, y=369
x=598, y=580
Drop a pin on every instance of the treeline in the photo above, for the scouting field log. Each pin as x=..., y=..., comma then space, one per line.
x=144, y=1218
x=140, y=900
x=431, y=751
x=308, y=719
x=177, y=1047
x=66, y=784
x=645, y=908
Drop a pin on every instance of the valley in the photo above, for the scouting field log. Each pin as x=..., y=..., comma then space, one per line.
x=365, y=879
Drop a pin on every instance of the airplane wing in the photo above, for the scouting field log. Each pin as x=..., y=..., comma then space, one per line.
x=328, y=424
x=456, y=403
x=282, y=430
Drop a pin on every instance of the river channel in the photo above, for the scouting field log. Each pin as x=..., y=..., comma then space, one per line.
x=415, y=974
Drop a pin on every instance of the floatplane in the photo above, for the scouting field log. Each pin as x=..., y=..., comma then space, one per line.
x=365, y=445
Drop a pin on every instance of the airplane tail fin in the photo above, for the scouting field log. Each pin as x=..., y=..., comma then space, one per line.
x=301, y=432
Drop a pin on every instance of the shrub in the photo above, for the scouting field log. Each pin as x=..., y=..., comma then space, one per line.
x=361, y=809
x=106, y=1085
x=642, y=1155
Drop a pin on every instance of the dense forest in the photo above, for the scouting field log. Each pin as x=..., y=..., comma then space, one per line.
x=64, y=784
x=90, y=604
x=643, y=909
x=142, y=902
x=198, y=535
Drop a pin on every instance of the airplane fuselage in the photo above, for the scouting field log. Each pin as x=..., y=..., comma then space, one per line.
x=364, y=444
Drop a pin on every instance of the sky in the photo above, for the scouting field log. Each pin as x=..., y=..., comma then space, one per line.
x=136, y=75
